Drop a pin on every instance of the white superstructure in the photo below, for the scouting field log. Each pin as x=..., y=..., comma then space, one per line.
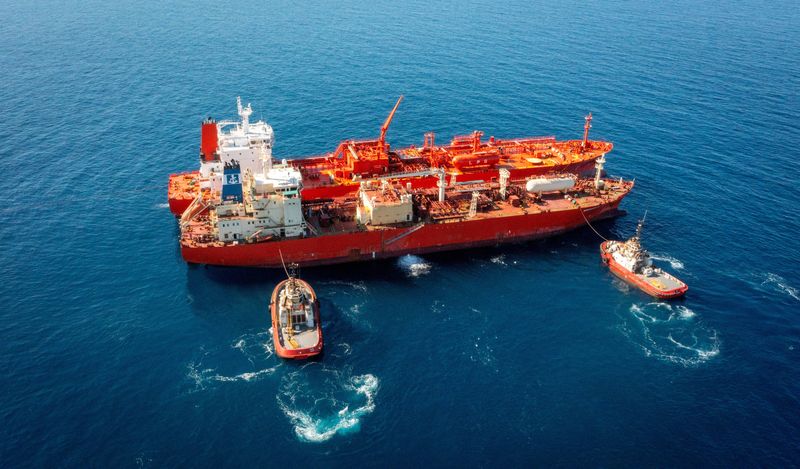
x=248, y=143
x=383, y=205
x=631, y=256
x=270, y=205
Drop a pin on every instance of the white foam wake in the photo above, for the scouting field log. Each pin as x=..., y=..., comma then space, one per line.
x=204, y=376
x=321, y=402
x=671, y=333
x=346, y=349
x=674, y=263
x=247, y=376
x=499, y=260
x=778, y=283
x=257, y=349
x=162, y=205
x=256, y=346
x=359, y=286
x=414, y=266
x=483, y=352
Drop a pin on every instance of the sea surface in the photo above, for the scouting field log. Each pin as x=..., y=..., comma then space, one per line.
x=115, y=353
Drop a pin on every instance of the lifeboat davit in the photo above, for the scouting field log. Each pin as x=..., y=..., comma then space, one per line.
x=296, y=326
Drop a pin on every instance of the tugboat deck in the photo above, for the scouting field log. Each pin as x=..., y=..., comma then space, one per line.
x=662, y=281
x=301, y=340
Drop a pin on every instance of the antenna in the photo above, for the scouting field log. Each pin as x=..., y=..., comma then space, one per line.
x=640, y=225
x=244, y=113
x=386, y=124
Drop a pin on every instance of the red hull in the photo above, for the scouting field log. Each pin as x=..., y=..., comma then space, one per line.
x=296, y=354
x=634, y=280
x=179, y=205
x=181, y=191
x=393, y=242
x=333, y=191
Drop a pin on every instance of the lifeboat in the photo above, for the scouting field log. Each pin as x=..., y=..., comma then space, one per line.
x=296, y=326
x=630, y=262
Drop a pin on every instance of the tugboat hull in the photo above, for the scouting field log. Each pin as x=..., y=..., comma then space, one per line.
x=282, y=348
x=656, y=287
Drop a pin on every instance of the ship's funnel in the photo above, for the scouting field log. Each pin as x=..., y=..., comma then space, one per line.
x=232, y=182
x=209, y=140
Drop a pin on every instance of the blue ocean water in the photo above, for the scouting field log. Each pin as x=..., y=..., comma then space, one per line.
x=114, y=352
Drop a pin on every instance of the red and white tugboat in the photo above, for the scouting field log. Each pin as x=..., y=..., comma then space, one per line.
x=296, y=327
x=629, y=261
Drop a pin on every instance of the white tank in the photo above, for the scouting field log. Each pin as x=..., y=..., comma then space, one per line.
x=550, y=184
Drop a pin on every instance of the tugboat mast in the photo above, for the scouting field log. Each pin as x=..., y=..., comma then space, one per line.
x=639, y=226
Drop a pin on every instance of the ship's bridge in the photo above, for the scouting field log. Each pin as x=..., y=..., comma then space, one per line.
x=279, y=178
x=257, y=134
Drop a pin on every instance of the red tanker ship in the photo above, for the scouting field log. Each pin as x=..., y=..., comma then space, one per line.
x=263, y=217
x=467, y=158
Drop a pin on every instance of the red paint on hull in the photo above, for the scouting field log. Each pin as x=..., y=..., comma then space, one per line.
x=393, y=242
x=179, y=205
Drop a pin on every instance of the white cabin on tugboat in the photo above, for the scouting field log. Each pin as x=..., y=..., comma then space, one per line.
x=632, y=263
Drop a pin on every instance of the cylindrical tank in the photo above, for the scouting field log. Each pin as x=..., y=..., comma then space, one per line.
x=550, y=184
x=209, y=140
x=476, y=160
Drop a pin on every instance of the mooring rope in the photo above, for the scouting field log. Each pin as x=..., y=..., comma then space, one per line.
x=580, y=209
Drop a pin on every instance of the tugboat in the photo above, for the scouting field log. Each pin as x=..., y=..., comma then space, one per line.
x=629, y=261
x=296, y=327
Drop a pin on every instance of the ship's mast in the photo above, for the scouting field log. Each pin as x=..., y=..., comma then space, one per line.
x=598, y=165
x=586, y=130
x=441, y=184
x=293, y=295
x=244, y=113
x=266, y=159
x=639, y=227
x=505, y=175
x=385, y=126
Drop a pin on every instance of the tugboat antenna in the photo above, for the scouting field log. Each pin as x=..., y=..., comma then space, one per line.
x=640, y=225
